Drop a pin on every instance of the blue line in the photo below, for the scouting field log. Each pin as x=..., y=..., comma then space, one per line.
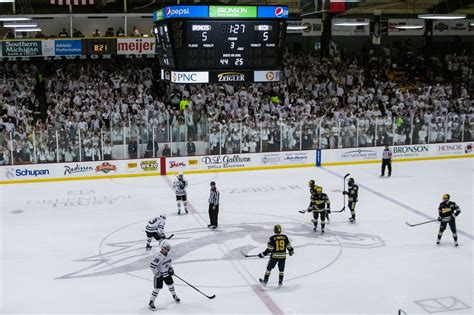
x=398, y=203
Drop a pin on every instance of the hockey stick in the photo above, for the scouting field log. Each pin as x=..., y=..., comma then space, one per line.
x=412, y=225
x=209, y=297
x=344, y=207
x=302, y=211
x=250, y=255
x=169, y=236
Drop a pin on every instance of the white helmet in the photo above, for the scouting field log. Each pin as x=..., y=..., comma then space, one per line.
x=163, y=216
x=166, y=246
x=180, y=175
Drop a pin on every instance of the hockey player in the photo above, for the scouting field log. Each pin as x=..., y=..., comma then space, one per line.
x=277, y=246
x=319, y=205
x=448, y=211
x=352, y=197
x=180, y=184
x=162, y=271
x=155, y=228
x=312, y=190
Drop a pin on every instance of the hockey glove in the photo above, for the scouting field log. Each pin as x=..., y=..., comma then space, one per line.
x=171, y=271
x=162, y=236
x=439, y=219
x=345, y=193
x=261, y=255
x=291, y=252
x=328, y=210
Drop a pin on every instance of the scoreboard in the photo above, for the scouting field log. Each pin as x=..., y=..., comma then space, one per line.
x=221, y=38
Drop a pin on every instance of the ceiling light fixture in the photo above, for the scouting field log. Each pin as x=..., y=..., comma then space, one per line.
x=20, y=25
x=12, y=19
x=20, y=30
x=442, y=16
x=409, y=27
x=351, y=24
x=296, y=27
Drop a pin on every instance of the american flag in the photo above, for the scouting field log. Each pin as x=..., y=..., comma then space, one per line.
x=341, y=5
x=72, y=2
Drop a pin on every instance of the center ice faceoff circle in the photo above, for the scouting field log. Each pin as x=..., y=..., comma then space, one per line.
x=198, y=252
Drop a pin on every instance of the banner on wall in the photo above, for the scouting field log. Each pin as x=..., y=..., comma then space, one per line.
x=394, y=31
x=452, y=27
x=314, y=27
x=48, y=47
x=135, y=46
x=362, y=30
x=22, y=48
x=68, y=47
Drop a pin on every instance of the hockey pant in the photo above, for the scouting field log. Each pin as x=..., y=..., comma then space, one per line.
x=281, y=268
x=158, y=285
x=452, y=226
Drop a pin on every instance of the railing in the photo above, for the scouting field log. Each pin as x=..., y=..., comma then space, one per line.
x=196, y=135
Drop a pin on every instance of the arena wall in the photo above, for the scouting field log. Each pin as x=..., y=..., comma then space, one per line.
x=11, y=174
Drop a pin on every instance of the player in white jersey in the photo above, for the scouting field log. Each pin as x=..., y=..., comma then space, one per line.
x=162, y=271
x=155, y=228
x=180, y=184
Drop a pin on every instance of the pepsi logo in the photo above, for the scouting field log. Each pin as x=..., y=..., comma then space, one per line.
x=279, y=12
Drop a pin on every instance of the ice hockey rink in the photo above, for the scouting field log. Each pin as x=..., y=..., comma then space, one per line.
x=79, y=246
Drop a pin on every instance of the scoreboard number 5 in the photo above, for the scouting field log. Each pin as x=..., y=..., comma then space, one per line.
x=204, y=36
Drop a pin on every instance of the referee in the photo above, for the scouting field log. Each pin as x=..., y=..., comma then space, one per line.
x=387, y=161
x=213, y=205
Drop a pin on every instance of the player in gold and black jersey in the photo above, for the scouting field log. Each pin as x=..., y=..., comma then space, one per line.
x=320, y=204
x=448, y=211
x=352, y=194
x=276, y=247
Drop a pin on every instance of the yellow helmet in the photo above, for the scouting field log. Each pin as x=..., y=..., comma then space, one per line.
x=277, y=229
x=446, y=197
x=319, y=189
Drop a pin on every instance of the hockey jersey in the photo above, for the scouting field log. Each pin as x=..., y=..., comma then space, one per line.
x=180, y=186
x=161, y=265
x=156, y=225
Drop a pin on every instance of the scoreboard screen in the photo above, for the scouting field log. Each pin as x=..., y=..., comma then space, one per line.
x=233, y=44
x=199, y=41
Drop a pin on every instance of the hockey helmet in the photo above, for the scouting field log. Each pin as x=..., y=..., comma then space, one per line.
x=319, y=189
x=350, y=182
x=213, y=183
x=446, y=197
x=180, y=175
x=277, y=229
x=163, y=216
x=311, y=183
x=166, y=246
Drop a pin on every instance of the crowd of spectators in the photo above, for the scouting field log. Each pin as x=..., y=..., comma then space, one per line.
x=110, y=32
x=98, y=109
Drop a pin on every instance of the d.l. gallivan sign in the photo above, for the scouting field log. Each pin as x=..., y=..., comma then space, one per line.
x=226, y=161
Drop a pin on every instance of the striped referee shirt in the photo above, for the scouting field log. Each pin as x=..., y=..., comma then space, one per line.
x=214, y=197
x=387, y=154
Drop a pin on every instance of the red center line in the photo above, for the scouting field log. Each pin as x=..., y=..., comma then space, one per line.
x=257, y=288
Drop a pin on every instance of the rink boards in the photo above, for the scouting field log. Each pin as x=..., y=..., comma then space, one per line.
x=227, y=163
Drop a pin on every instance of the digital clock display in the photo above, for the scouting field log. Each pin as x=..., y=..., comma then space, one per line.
x=99, y=48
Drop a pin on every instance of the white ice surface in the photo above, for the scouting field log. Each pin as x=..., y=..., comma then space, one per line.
x=58, y=256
